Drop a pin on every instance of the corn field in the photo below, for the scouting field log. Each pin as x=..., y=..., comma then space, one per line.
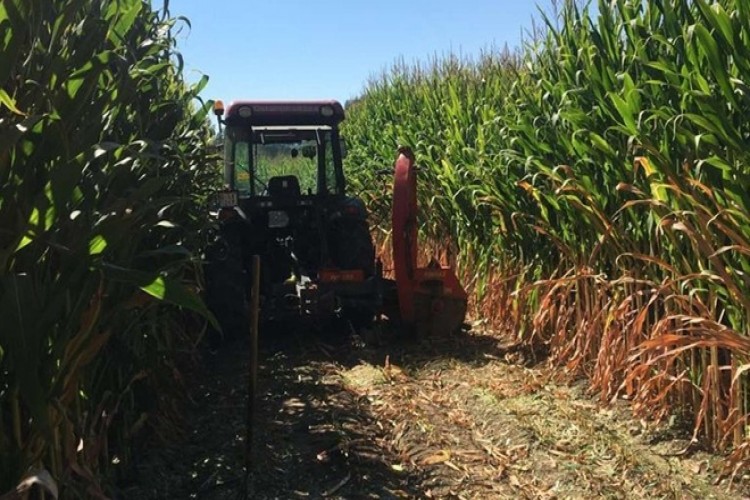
x=594, y=188
x=104, y=168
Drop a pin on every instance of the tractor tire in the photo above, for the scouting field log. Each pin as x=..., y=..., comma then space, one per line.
x=359, y=318
x=226, y=294
x=353, y=248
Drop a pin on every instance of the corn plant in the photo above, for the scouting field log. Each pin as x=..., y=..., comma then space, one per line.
x=597, y=185
x=104, y=166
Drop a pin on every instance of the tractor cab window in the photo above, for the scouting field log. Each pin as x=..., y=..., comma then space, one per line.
x=257, y=156
x=242, y=168
x=237, y=160
x=288, y=159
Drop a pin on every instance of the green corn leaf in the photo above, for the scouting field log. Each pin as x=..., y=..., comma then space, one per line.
x=625, y=112
x=717, y=62
x=97, y=245
x=125, y=13
x=9, y=103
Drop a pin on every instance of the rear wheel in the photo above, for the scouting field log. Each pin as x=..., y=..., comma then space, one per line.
x=359, y=317
x=226, y=295
x=353, y=248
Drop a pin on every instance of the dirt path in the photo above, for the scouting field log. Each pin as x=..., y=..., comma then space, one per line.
x=455, y=419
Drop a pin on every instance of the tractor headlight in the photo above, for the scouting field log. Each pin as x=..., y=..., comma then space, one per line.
x=277, y=219
x=326, y=111
x=245, y=112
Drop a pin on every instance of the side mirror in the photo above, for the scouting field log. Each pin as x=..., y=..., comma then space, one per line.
x=309, y=151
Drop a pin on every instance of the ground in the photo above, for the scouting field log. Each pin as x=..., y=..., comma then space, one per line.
x=466, y=417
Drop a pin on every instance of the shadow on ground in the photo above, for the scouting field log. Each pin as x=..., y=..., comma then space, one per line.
x=371, y=415
x=313, y=437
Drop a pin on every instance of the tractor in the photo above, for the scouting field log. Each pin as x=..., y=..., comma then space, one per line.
x=285, y=200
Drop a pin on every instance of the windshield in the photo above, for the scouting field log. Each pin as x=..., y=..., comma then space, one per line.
x=256, y=156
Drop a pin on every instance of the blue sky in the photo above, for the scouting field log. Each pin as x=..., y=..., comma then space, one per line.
x=304, y=49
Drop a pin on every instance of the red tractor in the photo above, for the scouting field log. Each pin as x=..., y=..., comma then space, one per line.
x=286, y=201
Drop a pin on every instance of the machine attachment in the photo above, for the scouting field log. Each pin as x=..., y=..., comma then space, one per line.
x=431, y=300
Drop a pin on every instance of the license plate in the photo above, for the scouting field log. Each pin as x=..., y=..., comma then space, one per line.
x=227, y=199
x=336, y=276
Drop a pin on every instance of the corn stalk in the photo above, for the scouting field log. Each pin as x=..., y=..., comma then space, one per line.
x=104, y=167
x=599, y=178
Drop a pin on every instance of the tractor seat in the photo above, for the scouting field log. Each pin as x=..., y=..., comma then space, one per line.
x=284, y=186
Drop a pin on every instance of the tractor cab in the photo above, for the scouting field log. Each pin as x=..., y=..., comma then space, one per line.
x=288, y=204
x=273, y=147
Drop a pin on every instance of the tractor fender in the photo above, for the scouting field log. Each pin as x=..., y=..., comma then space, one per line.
x=351, y=208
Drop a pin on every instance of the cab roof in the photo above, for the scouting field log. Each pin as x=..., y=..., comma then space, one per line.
x=280, y=113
